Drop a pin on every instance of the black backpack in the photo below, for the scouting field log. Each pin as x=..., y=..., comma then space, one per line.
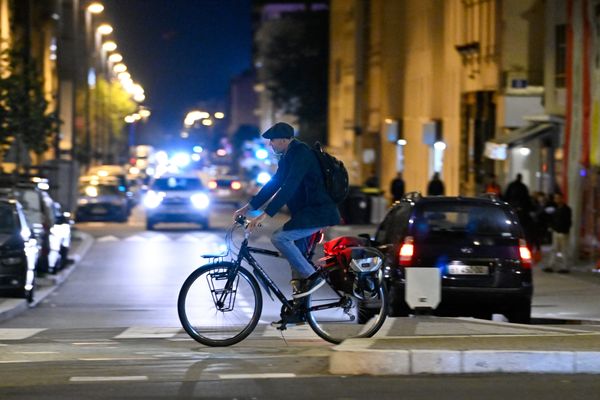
x=335, y=174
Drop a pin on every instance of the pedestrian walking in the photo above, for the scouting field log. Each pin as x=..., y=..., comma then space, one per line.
x=435, y=186
x=397, y=187
x=560, y=224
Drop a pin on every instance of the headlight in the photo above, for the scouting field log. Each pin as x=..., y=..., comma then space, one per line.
x=82, y=202
x=153, y=199
x=200, y=200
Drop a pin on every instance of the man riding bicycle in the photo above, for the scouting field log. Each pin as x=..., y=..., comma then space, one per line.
x=298, y=183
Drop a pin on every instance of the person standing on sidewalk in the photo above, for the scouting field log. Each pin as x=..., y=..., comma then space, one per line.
x=435, y=186
x=560, y=223
x=299, y=184
x=397, y=187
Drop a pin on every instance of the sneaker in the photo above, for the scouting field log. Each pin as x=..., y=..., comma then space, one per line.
x=309, y=285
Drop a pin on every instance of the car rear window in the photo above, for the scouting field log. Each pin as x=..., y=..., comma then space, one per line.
x=173, y=183
x=7, y=220
x=30, y=200
x=458, y=218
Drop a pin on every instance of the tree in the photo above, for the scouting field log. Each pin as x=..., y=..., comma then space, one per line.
x=294, y=54
x=25, y=120
x=111, y=104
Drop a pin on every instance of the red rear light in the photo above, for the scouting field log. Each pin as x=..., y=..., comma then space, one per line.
x=212, y=184
x=236, y=185
x=406, y=251
x=524, y=254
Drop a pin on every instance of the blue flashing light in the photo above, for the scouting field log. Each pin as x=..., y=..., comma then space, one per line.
x=263, y=178
x=261, y=154
x=181, y=160
x=198, y=149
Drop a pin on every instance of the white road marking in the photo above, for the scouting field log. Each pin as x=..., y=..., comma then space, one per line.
x=36, y=352
x=15, y=361
x=258, y=376
x=188, y=238
x=18, y=333
x=294, y=332
x=93, y=343
x=147, y=333
x=159, y=238
x=108, y=378
x=135, y=238
x=114, y=358
x=109, y=238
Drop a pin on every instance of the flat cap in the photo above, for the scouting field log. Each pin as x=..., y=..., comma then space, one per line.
x=280, y=130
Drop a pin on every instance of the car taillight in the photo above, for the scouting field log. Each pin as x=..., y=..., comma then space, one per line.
x=236, y=185
x=212, y=184
x=524, y=254
x=406, y=251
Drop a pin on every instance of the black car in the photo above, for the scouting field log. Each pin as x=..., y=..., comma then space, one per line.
x=477, y=244
x=18, y=251
x=51, y=226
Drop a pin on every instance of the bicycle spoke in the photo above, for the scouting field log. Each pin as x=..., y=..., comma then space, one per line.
x=215, y=312
x=349, y=317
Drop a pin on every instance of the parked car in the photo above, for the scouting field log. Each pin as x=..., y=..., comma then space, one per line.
x=51, y=227
x=102, y=199
x=18, y=251
x=228, y=189
x=177, y=198
x=477, y=244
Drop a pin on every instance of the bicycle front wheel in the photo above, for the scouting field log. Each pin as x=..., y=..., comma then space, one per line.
x=217, y=308
x=336, y=316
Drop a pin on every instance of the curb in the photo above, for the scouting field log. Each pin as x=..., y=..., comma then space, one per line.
x=354, y=357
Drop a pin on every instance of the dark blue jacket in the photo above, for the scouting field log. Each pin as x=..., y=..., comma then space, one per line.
x=298, y=183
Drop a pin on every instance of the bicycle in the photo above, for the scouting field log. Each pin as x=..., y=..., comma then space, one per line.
x=220, y=303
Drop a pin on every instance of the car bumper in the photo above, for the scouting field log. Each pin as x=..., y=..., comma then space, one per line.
x=177, y=215
x=100, y=211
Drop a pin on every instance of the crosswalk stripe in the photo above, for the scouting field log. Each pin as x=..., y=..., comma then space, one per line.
x=18, y=333
x=148, y=333
x=188, y=238
x=296, y=332
x=159, y=238
x=109, y=238
x=135, y=238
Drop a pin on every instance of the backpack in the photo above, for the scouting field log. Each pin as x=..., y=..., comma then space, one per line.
x=335, y=174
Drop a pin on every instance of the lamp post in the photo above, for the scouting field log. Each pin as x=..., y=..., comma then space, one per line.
x=94, y=8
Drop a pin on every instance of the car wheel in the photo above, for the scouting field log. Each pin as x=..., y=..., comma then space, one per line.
x=397, y=304
x=520, y=313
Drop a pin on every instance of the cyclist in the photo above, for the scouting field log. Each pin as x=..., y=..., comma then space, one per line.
x=298, y=183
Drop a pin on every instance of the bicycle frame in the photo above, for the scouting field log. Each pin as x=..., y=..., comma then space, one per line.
x=269, y=285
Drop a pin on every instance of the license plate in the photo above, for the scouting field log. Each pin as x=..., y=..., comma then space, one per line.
x=454, y=269
x=99, y=210
x=223, y=192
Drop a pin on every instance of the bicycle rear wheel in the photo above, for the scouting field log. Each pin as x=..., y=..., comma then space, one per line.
x=336, y=316
x=213, y=313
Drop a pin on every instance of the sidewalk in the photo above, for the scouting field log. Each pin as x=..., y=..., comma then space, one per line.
x=11, y=307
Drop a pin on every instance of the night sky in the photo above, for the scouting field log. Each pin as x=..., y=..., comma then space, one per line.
x=182, y=52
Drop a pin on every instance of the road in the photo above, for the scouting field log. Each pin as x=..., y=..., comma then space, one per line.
x=111, y=331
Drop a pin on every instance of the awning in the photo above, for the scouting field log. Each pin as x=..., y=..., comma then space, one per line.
x=524, y=134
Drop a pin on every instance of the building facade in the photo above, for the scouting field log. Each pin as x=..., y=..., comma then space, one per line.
x=468, y=89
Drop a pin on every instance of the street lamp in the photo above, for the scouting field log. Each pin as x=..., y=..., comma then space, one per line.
x=95, y=8
x=115, y=58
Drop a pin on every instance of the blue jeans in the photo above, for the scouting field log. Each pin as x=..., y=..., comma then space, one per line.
x=292, y=245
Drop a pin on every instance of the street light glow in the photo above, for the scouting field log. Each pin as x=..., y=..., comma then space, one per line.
x=115, y=58
x=207, y=122
x=145, y=113
x=120, y=68
x=109, y=46
x=130, y=119
x=219, y=115
x=105, y=29
x=124, y=76
x=139, y=97
x=95, y=8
